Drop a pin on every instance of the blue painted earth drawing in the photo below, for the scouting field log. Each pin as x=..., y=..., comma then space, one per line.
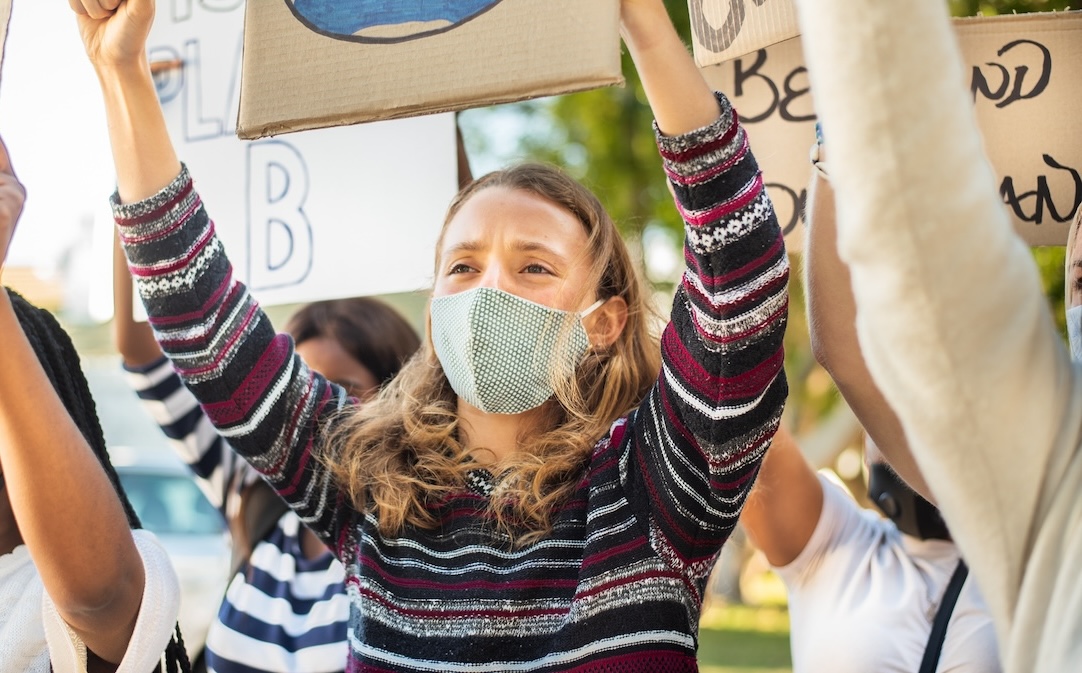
x=386, y=20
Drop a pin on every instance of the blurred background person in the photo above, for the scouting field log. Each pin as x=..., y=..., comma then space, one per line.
x=285, y=609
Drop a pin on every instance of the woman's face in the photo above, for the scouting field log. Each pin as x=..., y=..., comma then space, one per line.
x=326, y=356
x=518, y=242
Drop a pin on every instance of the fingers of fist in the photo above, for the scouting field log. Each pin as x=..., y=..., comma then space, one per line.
x=95, y=9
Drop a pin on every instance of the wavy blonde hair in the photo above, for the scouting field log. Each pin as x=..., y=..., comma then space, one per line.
x=400, y=453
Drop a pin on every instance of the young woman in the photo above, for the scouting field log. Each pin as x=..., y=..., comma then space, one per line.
x=528, y=494
x=286, y=609
x=80, y=591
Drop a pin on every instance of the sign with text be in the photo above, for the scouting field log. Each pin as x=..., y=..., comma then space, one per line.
x=1026, y=87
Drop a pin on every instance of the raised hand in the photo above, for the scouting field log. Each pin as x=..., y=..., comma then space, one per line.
x=114, y=32
x=12, y=197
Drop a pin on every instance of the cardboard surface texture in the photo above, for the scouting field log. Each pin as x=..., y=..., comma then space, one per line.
x=727, y=29
x=319, y=215
x=311, y=64
x=1027, y=88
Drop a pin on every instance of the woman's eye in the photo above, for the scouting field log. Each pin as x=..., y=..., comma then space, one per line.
x=459, y=268
x=535, y=268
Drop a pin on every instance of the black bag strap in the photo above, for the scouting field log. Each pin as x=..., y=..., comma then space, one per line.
x=261, y=508
x=934, y=648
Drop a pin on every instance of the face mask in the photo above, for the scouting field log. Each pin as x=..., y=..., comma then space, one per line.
x=503, y=353
x=1074, y=332
x=912, y=514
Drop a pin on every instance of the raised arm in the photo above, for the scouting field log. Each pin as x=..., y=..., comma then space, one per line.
x=950, y=312
x=832, y=316
x=65, y=507
x=248, y=380
x=134, y=340
x=679, y=96
x=701, y=433
x=784, y=507
x=192, y=436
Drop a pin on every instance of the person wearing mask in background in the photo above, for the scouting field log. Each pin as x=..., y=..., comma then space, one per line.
x=951, y=315
x=543, y=488
x=82, y=590
x=286, y=609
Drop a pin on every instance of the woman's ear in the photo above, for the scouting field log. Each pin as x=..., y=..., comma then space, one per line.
x=607, y=322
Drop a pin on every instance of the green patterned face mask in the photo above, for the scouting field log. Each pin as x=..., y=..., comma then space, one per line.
x=502, y=353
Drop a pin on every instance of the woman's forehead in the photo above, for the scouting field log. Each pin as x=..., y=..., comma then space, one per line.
x=515, y=220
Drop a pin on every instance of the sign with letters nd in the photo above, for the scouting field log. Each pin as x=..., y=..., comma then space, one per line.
x=324, y=214
x=1026, y=85
x=314, y=63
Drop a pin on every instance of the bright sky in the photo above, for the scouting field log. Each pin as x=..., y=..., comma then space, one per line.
x=52, y=121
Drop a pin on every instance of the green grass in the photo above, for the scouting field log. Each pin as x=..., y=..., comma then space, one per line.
x=743, y=639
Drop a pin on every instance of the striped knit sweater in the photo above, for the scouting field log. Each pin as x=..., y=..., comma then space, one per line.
x=617, y=585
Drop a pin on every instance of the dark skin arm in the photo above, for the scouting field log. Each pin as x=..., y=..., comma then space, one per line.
x=134, y=340
x=62, y=503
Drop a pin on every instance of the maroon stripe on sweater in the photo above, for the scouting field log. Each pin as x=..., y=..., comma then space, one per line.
x=600, y=557
x=710, y=173
x=718, y=388
x=306, y=452
x=705, y=148
x=660, y=510
x=715, y=214
x=236, y=336
x=159, y=212
x=762, y=261
x=733, y=337
x=253, y=386
x=174, y=264
x=654, y=661
x=197, y=316
x=177, y=224
x=625, y=581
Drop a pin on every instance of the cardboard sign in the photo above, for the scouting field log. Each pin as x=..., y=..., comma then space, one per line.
x=726, y=29
x=325, y=214
x=1027, y=89
x=311, y=64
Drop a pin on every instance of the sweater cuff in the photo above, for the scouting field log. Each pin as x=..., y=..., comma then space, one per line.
x=686, y=154
x=140, y=209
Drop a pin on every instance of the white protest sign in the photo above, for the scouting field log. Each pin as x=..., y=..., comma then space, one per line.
x=1026, y=86
x=726, y=29
x=323, y=214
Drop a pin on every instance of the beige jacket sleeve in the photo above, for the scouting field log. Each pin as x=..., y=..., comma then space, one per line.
x=951, y=316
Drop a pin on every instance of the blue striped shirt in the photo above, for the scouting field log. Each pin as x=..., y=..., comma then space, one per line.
x=282, y=612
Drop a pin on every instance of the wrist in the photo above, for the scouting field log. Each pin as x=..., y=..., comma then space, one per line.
x=123, y=74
